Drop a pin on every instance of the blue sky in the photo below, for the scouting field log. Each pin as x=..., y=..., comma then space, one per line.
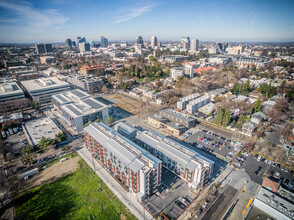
x=218, y=20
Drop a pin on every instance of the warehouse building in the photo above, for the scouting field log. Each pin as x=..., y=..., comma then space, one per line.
x=178, y=117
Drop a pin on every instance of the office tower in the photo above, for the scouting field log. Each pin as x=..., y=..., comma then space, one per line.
x=139, y=40
x=221, y=46
x=44, y=48
x=74, y=43
x=84, y=47
x=194, y=45
x=185, y=42
x=82, y=40
x=68, y=44
x=159, y=44
x=40, y=48
x=91, y=42
x=153, y=41
x=104, y=41
x=78, y=40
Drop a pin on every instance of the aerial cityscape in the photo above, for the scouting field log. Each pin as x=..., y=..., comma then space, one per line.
x=147, y=109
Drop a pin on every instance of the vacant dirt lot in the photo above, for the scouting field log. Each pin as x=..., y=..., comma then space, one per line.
x=132, y=104
x=57, y=170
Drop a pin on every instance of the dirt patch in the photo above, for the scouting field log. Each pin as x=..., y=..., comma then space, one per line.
x=54, y=172
x=132, y=104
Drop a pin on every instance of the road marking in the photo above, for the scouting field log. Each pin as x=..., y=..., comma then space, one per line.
x=250, y=201
x=244, y=211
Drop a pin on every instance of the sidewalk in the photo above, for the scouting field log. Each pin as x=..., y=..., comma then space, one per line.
x=128, y=199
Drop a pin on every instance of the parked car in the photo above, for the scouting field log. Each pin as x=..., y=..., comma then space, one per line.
x=277, y=175
x=257, y=170
x=180, y=204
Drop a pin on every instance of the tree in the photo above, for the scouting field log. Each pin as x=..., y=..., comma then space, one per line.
x=287, y=131
x=61, y=136
x=123, y=86
x=256, y=106
x=226, y=118
x=219, y=116
x=45, y=142
x=89, y=122
x=35, y=105
x=290, y=95
x=235, y=89
x=152, y=58
x=27, y=155
x=110, y=120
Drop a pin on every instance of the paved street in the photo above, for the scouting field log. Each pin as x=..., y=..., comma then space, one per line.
x=128, y=199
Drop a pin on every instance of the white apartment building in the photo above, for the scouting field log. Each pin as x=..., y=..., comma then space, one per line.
x=42, y=89
x=197, y=103
x=176, y=72
x=183, y=161
x=137, y=170
x=77, y=108
x=182, y=103
x=87, y=83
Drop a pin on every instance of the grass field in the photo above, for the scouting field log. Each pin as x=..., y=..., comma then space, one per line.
x=80, y=195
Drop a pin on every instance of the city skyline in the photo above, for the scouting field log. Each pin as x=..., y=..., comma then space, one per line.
x=226, y=20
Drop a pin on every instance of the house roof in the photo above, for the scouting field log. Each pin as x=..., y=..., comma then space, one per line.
x=270, y=184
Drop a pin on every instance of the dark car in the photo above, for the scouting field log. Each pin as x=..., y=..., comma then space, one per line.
x=180, y=204
x=257, y=170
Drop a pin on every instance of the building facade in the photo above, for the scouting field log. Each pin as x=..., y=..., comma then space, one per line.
x=77, y=108
x=186, y=163
x=89, y=84
x=153, y=41
x=12, y=97
x=84, y=47
x=104, y=42
x=134, y=168
x=42, y=89
x=43, y=48
x=178, y=117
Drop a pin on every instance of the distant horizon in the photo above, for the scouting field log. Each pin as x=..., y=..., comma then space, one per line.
x=163, y=41
x=27, y=21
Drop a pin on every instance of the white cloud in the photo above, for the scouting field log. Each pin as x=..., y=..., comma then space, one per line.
x=135, y=11
x=31, y=15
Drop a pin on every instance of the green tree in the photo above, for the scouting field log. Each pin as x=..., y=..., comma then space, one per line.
x=110, y=120
x=61, y=136
x=123, y=86
x=36, y=105
x=290, y=95
x=219, y=116
x=27, y=156
x=226, y=117
x=235, y=89
x=45, y=142
x=245, y=88
x=256, y=107
x=152, y=58
x=89, y=122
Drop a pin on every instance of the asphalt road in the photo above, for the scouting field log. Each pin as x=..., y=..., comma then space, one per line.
x=217, y=210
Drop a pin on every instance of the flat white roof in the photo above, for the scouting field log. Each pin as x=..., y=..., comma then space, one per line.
x=40, y=127
x=43, y=84
x=9, y=89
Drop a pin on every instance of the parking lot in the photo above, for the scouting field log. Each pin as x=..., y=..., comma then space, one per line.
x=174, y=188
x=15, y=142
x=251, y=164
x=213, y=143
x=118, y=113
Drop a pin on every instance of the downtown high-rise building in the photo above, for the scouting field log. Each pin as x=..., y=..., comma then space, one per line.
x=194, y=45
x=84, y=47
x=104, y=41
x=43, y=48
x=68, y=44
x=139, y=40
x=80, y=40
x=185, y=42
x=153, y=41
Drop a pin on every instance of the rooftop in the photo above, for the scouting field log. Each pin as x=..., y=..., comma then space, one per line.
x=126, y=150
x=9, y=88
x=84, y=107
x=43, y=83
x=276, y=203
x=41, y=127
x=178, y=115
